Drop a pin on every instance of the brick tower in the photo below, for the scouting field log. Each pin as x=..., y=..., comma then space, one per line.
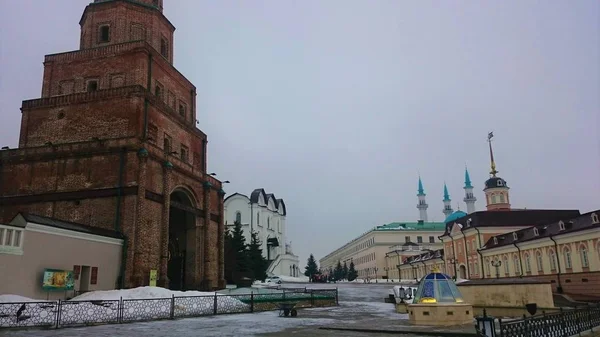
x=113, y=143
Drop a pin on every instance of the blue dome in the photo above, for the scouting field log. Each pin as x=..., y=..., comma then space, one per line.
x=437, y=287
x=454, y=216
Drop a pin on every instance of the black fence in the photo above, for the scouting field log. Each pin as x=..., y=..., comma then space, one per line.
x=60, y=314
x=564, y=323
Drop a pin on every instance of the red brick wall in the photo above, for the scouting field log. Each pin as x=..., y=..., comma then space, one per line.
x=124, y=19
x=76, y=122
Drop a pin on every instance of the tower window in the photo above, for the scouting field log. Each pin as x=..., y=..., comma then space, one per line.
x=184, y=154
x=167, y=143
x=182, y=109
x=501, y=198
x=92, y=85
x=164, y=47
x=104, y=34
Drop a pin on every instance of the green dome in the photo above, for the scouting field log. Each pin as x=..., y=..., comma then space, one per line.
x=454, y=216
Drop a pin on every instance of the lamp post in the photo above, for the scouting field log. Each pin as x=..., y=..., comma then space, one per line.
x=486, y=325
x=453, y=261
x=497, y=264
x=404, y=294
x=376, y=269
x=387, y=277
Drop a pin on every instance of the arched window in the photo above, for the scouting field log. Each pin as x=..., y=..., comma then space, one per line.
x=583, y=255
x=506, y=267
x=258, y=218
x=552, y=256
x=540, y=262
x=567, y=256
x=502, y=198
x=268, y=222
x=238, y=217
x=476, y=271
x=516, y=265
x=494, y=199
x=527, y=263
x=595, y=218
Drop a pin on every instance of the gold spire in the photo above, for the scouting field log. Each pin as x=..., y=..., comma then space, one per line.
x=492, y=163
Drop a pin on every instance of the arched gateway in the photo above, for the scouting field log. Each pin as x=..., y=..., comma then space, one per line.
x=182, y=241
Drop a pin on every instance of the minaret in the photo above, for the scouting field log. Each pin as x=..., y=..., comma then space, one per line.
x=422, y=205
x=447, y=202
x=496, y=190
x=469, y=197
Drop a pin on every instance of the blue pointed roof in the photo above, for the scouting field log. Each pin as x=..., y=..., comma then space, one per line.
x=421, y=190
x=454, y=216
x=467, y=179
x=446, y=195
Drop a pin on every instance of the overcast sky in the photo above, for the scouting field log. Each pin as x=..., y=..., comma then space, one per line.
x=336, y=106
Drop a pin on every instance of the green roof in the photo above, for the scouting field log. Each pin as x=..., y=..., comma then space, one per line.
x=412, y=226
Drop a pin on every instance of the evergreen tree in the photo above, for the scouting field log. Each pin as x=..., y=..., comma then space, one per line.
x=345, y=271
x=257, y=263
x=236, y=261
x=352, y=273
x=311, y=268
x=338, y=272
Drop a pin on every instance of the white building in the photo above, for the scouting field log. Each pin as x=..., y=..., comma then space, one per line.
x=264, y=214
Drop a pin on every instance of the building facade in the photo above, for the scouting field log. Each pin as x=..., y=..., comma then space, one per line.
x=376, y=253
x=262, y=213
x=113, y=143
x=31, y=244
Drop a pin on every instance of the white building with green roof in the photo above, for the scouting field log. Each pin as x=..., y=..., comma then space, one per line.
x=376, y=252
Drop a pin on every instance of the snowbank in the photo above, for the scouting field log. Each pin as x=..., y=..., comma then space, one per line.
x=138, y=304
x=293, y=279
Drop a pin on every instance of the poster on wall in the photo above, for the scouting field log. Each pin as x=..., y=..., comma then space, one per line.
x=55, y=279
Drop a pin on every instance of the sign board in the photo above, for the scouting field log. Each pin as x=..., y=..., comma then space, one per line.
x=58, y=280
x=153, y=277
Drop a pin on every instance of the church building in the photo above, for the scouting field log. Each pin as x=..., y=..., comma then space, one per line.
x=113, y=144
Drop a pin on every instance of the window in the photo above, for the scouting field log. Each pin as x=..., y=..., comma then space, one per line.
x=527, y=263
x=476, y=271
x=494, y=199
x=152, y=133
x=499, y=183
x=506, y=266
x=11, y=240
x=540, y=262
x=567, y=255
x=536, y=232
x=561, y=225
x=487, y=267
x=515, y=236
x=595, y=218
x=164, y=47
x=585, y=263
x=91, y=85
x=167, y=143
x=184, y=154
x=502, y=198
x=182, y=109
x=495, y=240
x=104, y=35
x=268, y=222
x=158, y=91
x=552, y=260
x=258, y=218
x=517, y=265
x=407, y=239
x=431, y=239
x=419, y=239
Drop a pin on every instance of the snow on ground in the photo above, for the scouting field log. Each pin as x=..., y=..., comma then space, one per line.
x=139, y=304
x=293, y=279
x=16, y=298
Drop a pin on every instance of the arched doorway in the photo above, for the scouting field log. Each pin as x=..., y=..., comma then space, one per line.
x=463, y=271
x=182, y=226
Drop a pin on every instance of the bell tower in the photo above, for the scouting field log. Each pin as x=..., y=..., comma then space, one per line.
x=112, y=22
x=496, y=190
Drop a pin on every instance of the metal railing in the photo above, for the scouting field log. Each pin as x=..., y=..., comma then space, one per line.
x=61, y=314
x=563, y=323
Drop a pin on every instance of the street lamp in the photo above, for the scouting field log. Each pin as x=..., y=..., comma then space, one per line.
x=375, y=269
x=486, y=325
x=453, y=261
x=387, y=277
x=497, y=264
x=404, y=294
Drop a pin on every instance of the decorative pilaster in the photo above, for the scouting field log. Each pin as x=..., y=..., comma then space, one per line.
x=208, y=282
x=137, y=258
x=163, y=280
x=221, y=247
